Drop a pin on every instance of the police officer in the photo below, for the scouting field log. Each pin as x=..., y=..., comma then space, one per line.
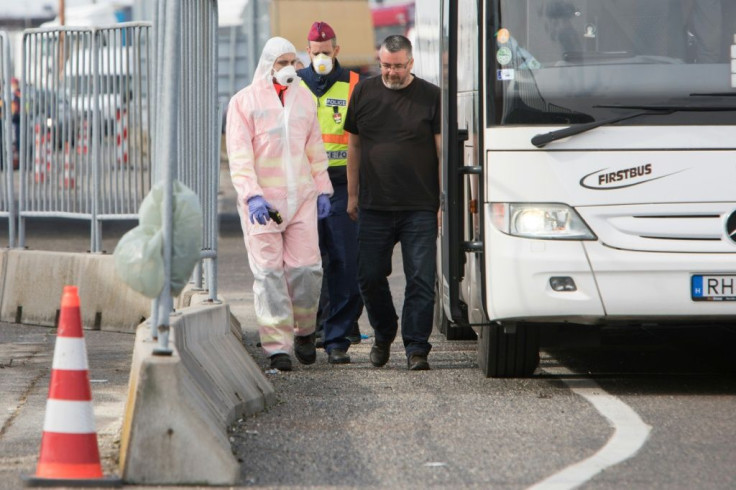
x=331, y=86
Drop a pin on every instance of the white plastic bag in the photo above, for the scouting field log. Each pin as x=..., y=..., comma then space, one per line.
x=187, y=223
x=138, y=260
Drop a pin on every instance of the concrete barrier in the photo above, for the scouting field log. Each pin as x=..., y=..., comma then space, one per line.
x=34, y=279
x=179, y=406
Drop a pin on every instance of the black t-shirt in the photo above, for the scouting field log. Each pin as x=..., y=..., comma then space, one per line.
x=399, y=170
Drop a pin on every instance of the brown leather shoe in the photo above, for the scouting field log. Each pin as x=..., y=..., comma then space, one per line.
x=418, y=362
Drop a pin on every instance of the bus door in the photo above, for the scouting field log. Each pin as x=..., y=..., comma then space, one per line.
x=461, y=283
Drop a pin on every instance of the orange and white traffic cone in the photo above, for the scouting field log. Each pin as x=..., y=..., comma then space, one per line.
x=69, y=453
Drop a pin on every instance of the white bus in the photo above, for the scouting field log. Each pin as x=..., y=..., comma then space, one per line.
x=589, y=167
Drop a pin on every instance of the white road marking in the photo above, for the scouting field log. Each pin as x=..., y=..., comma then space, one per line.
x=629, y=435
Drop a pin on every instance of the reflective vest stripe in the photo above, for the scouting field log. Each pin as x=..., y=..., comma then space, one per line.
x=338, y=139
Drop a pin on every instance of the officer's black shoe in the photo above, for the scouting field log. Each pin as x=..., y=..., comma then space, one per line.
x=418, y=362
x=304, y=349
x=282, y=362
x=338, y=356
x=380, y=353
x=354, y=336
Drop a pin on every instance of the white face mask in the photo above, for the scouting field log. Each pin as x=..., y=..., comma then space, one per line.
x=286, y=75
x=322, y=64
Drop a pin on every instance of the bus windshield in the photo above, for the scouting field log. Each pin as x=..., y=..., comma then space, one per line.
x=567, y=62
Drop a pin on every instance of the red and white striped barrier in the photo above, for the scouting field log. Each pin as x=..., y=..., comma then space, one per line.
x=82, y=142
x=121, y=137
x=41, y=155
x=68, y=168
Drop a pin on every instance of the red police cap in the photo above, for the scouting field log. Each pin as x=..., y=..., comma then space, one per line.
x=320, y=31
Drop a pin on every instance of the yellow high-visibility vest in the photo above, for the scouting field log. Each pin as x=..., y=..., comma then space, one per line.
x=332, y=108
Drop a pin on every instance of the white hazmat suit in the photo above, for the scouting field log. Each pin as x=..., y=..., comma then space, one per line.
x=276, y=151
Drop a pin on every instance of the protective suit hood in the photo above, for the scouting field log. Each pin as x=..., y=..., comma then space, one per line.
x=275, y=47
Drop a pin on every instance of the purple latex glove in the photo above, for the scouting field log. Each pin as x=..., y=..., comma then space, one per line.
x=323, y=206
x=258, y=210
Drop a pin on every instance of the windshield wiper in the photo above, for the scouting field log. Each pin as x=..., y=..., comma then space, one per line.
x=541, y=140
x=714, y=94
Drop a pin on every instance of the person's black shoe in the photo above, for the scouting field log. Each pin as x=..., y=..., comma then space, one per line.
x=282, y=362
x=319, y=337
x=380, y=353
x=418, y=362
x=304, y=349
x=338, y=356
x=354, y=336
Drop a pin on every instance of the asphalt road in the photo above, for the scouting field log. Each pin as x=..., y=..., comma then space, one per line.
x=357, y=426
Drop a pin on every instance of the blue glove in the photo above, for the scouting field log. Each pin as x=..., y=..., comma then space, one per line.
x=258, y=210
x=323, y=206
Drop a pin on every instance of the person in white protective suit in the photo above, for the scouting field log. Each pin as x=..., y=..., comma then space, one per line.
x=278, y=166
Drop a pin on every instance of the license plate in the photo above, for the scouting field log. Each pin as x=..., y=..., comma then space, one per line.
x=713, y=288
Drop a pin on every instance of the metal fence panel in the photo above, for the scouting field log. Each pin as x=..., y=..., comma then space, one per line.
x=186, y=132
x=7, y=140
x=198, y=120
x=84, y=128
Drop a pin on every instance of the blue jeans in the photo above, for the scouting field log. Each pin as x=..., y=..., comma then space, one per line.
x=416, y=231
x=339, y=242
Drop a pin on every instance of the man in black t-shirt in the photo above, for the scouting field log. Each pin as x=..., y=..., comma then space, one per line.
x=393, y=191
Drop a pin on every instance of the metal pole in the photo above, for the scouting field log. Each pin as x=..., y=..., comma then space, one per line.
x=96, y=227
x=169, y=157
x=8, y=137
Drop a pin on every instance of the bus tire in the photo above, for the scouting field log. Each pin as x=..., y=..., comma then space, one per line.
x=445, y=327
x=508, y=355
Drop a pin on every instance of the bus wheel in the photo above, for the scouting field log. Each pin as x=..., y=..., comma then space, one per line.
x=508, y=350
x=447, y=328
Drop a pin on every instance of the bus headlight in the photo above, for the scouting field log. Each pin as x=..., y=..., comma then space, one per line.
x=533, y=220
